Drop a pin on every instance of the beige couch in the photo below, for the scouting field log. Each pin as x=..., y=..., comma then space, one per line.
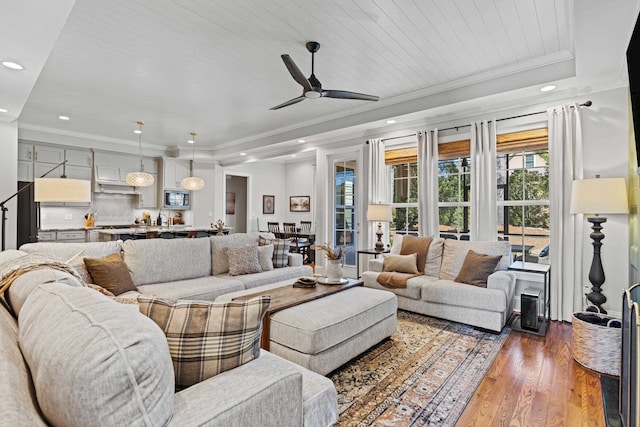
x=178, y=268
x=436, y=294
x=76, y=357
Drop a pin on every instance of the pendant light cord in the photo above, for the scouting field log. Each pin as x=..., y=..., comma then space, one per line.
x=140, y=123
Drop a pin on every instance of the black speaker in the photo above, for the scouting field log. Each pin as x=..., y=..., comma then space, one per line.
x=529, y=309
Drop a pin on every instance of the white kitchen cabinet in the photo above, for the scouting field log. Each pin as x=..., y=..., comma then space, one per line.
x=25, y=152
x=78, y=157
x=65, y=236
x=107, y=173
x=148, y=196
x=25, y=170
x=174, y=171
x=48, y=154
x=46, y=236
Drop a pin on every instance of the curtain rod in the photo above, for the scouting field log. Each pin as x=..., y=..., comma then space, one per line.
x=585, y=104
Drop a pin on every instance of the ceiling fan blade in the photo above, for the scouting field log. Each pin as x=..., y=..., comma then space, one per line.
x=295, y=72
x=289, y=102
x=343, y=94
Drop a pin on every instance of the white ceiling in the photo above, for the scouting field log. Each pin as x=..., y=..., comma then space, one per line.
x=214, y=67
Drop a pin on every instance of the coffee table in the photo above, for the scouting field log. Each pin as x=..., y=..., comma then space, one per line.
x=324, y=327
x=287, y=296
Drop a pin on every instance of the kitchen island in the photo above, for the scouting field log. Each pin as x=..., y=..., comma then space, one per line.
x=169, y=232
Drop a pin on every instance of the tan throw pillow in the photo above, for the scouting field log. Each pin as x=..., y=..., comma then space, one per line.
x=111, y=273
x=243, y=260
x=477, y=268
x=205, y=338
x=265, y=257
x=401, y=263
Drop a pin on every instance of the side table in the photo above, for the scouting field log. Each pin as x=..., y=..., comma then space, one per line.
x=526, y=271
x=373, y=252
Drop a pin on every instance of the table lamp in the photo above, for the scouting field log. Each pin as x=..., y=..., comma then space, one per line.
x=598, y=196
x=379, y=212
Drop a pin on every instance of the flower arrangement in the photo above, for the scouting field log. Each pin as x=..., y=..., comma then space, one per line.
x=331, y=252
x=219, y=225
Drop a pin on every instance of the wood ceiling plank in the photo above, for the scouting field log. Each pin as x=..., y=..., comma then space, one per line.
x=530, y=22
x=548, y=22
x=513, y=28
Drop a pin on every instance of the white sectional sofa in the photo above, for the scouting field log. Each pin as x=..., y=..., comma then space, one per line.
x=74, y=357
x=437, y=294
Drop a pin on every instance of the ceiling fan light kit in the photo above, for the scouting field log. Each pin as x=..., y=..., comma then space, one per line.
x=311, y=87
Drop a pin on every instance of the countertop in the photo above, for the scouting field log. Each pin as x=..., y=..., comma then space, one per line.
x=142, y=229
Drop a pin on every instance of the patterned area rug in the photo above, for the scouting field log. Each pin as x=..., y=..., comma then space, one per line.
x=424, y=375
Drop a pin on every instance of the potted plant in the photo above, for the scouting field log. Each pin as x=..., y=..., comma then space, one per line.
x=219, y=227
x=334, y=262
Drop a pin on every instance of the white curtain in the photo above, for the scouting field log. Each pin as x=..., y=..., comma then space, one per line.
x=565, y=249
x=428, y=213
x=377, y=184
x=484, y=221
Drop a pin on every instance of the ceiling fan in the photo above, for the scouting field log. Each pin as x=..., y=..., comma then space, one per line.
x=311, y=87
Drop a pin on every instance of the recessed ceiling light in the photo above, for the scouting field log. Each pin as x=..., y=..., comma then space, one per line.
x=293, y=155
x=243, y=154
x=3, y=110
x=191, y=141
x=547, y=88
x=137, y=131
x=64, y=117
x=12, y=65
x=302, y=141
x=390, y=122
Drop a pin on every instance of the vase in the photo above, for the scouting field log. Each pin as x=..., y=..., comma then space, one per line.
x=334, y=270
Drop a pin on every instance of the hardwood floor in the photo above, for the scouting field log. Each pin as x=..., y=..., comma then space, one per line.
x=534, y=381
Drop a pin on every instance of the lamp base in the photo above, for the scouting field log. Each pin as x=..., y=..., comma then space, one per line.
x=596, y=273
x=379, y=243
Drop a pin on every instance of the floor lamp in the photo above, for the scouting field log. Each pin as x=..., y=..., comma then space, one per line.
x=594, y=197
x=380, y=213
x=51, y=190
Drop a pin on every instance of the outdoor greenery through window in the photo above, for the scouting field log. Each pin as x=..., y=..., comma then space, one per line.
x=404, y=199
x=345, y=208
x=454, y=184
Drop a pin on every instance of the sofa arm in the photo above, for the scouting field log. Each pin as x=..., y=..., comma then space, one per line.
x=375, y=265
x=504, y=281
x=295, y=260
x=256, y=393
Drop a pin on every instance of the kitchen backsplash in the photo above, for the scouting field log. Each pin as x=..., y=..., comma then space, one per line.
x=114, y=208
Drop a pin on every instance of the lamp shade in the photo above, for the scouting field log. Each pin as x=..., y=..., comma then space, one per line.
x=379, y=212
x=61, y=190
x=599, y=196
x=139, y=179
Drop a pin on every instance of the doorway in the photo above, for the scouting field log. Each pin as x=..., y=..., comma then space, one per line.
x=236, y=203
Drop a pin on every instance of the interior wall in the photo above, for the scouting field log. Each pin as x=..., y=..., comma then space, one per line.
x=266, y=178
x=204, y=201
x=8, y=183
x=300, y=178
x=238, y=219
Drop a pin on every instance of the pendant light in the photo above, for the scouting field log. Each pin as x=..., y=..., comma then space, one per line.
x=139, y=179
x=192, y=183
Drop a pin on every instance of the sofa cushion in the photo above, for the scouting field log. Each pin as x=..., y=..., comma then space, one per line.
x=243, y=260
x=206, y=339
x=434, y=255
x=219, y=260
x=455, y=252
x=92, y=359
x=72, y=253
x=206, y=288
x=19, y=291
x=110, y=273
x=400, y=263
x=265, y=257
x=476, y=268
x=19, y=404
x=275, y=275
x=448, y=292
x=413, y=289
x=166, y=260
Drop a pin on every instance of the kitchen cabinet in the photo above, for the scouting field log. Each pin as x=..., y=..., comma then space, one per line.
x=25, y=170
x=34, y=160
x=78, y=157
x=65, y=236
x=46, y=236
x=148, y=196
x=48, y=154
x=174, y=171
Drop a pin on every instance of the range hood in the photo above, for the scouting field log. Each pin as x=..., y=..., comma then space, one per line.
x=114, y=188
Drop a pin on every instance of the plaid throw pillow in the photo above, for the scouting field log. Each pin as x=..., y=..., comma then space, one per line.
x=281, y=252
x=206, y=339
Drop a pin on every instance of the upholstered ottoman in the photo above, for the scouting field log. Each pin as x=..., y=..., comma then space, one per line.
x=325, y=333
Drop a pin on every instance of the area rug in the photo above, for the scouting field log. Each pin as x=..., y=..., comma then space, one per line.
x=423, y=375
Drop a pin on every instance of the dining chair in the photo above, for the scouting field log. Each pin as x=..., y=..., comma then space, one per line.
x=297, y=244
x=273, y=227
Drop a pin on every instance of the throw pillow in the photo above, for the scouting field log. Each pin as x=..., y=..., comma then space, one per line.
x=477, y=268
x=419, y=246
x=111, y=273
x=243, y=260
x=281, y=252
x=263, y=241
x=207, y=338
x=265, y=256
x=401, y=263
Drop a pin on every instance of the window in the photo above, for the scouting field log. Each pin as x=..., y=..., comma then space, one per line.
x=404, y=198
x=523, y=202
x=454, y=186
x=345, y=208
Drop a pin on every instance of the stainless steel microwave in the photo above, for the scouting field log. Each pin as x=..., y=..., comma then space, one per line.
x=177, y=199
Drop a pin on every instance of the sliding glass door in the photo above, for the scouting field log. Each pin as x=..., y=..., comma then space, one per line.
x=344, y=218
